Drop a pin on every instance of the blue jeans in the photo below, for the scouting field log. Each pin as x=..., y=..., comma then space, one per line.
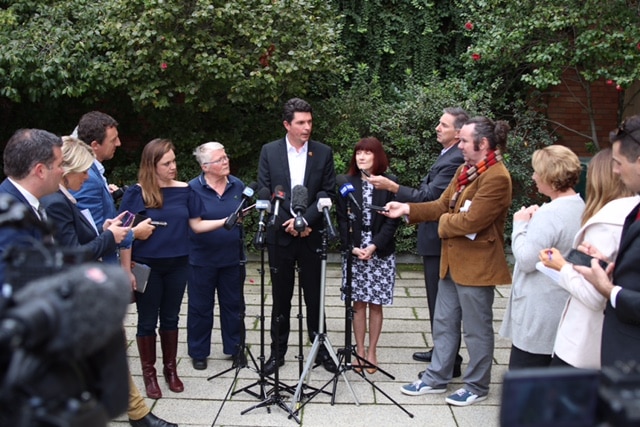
x=163, y=295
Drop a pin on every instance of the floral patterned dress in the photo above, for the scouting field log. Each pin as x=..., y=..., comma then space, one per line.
x=373, y=280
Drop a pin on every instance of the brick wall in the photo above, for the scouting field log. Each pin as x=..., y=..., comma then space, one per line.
x=567, y=112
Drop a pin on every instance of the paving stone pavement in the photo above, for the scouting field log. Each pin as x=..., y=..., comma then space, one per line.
x=405, y=330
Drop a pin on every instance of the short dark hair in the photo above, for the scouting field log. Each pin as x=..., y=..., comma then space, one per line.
x=93, y=126
x=459, y=114
x=380, y=160
x=496, y=133
x=26, y=148
x=628, y=135
x=295, y=105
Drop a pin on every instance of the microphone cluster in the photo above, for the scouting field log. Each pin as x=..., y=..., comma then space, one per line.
x=267, y=203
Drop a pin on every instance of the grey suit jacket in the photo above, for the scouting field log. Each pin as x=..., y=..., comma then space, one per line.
x=431, y=188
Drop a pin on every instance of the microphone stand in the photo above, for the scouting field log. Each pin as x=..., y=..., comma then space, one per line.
x=320, y=340
x=259, y=243
x=273, y=396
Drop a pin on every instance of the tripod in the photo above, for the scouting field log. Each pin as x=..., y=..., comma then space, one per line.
x=273, y=396
x=349, y=350
x=320, y=340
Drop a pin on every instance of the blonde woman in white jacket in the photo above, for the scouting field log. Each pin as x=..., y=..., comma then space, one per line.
x=579, y=334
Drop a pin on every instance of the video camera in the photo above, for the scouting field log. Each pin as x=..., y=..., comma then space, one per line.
x=571, y=397
x=62, y=346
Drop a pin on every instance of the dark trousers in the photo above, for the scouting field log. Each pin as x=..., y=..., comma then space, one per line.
x=283, y=262
x=431, y=265
x=520, y=359
x=204, y=282
x=162, y=298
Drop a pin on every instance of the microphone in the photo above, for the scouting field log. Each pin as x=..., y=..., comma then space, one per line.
x=347, y=190
x=324, y=205
x=72, y=314
x=13, y=213
x=247, y=194
x=263, y=205
x=278, y=196
x=299, y=200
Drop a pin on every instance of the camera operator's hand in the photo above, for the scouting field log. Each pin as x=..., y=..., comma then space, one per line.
x=143, y=230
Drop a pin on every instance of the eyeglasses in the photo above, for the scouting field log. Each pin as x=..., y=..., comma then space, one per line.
x=224, y=159
x=622, y=131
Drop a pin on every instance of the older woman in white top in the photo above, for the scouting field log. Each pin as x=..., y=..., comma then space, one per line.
x=579, y=333
x=533, y=313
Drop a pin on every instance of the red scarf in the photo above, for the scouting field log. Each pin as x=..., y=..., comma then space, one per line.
x=470, y=173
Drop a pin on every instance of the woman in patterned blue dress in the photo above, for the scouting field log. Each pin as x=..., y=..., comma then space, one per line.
x=369, y=239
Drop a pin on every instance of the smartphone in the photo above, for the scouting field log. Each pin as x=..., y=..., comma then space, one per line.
x=127, y=219
x=367, y=174
x=159, y=223
x=580, y=258
x=378, y=208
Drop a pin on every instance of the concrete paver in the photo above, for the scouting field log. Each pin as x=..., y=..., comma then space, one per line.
x=405, y=330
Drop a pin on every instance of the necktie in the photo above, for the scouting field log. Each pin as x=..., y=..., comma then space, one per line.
x=42, y=213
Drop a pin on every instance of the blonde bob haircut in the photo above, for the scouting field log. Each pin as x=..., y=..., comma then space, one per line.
x=557, y=166
x=77, y=156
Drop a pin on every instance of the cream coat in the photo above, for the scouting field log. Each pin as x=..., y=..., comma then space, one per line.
x=579, y=335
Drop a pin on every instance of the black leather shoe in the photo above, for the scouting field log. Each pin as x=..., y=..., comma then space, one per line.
x=423, y=356
x=457, y=372
x=327, y=362
x=199, y=364
x=151, y=420
x=271, y=365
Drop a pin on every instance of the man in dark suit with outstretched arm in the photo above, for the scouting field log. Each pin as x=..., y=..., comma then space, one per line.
x=288, y=162
x=431, y=188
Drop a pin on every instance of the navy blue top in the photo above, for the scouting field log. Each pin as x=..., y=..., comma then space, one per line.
x=218, y=248
x=180, y=204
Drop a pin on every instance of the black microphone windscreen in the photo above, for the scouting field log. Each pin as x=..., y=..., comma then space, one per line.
x=322, y=195
x=341, y=180
x=89, y=302
x=253, y=186
x=299, y=198
x=263, y=194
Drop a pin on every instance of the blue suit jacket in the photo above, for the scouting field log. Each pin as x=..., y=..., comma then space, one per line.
x=319, y=176
x=95, y=196
x=621, y=328
x=431, y=188
x=20, y=236
x=73, y=230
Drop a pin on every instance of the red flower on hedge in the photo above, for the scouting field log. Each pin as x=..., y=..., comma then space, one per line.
x=476, y=56
x=469, y=25
x=619, y=88
x=164, y=65
x=609, y=82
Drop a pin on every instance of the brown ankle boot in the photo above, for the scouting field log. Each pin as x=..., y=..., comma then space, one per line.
x=147, y=350
x=169, y=344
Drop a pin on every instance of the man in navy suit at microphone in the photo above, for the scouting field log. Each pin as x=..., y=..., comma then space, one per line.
x=288, y=162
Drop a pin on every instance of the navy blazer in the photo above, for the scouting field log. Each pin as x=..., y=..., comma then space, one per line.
x=383, y=229
x=621, y=328
x=319, y=175
x=431, y=188
x=73, y=229
x=20, y=236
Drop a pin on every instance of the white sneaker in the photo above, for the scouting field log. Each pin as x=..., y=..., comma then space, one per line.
x=463, y=397
x=418, y=388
